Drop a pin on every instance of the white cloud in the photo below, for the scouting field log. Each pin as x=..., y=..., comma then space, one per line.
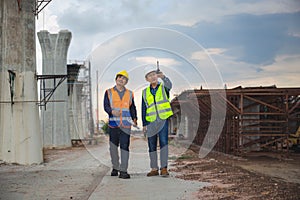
x=280, y=80
x=107, y=15
x=192, y=12
x=295, y=34
x=285, y=64
x=266, y=7
x=47, y=20
x=284, y=72
x=203, y=55
x=94, y=21
x=153, y=60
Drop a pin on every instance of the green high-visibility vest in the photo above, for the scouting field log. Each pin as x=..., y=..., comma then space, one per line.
x=158, y=104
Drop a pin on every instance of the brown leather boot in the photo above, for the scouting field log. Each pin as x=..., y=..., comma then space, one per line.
x=153, y=172
x=164, y=172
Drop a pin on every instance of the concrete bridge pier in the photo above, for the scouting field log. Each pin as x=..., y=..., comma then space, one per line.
x=20, y=139
x=55, y=119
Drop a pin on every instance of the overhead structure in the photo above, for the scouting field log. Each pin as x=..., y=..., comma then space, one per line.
x=20, y=139
x=257, y=118
x=55, y=118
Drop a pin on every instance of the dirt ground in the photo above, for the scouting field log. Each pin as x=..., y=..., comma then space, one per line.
x=259, y=176
x=75, y=174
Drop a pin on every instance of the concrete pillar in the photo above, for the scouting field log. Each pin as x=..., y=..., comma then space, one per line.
x=186, y=127
x=84, y=114
x=73, y=113
x=177, y=122
x=55, y=118
x=82, y=130
x=20, y=139
x=75, y=101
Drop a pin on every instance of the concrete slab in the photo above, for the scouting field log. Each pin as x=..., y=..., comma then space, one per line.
x=142, y=187
x=71, y=174
x=84, y=173
x=139, y=186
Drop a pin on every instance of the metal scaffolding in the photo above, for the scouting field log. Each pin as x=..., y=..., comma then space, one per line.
x=47, y=92
x=39, y=6
x=257, y=118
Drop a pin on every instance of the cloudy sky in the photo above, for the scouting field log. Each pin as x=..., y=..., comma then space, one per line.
x=197, y=42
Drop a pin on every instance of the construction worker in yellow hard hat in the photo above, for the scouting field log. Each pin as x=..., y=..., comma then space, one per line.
x=121, y=110
x=123, y=73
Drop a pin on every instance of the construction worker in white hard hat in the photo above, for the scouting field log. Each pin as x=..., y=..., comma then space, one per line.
x=120, y=107
x=156, y=110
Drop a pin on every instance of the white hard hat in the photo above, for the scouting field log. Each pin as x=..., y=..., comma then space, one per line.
x=148, y=69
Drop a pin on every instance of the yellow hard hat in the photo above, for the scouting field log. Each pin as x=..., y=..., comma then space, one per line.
x=123, y=73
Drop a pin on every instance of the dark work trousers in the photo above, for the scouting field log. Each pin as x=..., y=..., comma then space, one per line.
x=158, y=130
x=118, y=136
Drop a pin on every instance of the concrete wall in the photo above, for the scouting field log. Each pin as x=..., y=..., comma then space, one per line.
x=55, y=119
x=20, y=139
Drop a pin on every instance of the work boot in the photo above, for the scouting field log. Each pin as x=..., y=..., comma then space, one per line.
x=164, y=172
x=153, y=172
x=114, y=172
x=124, y=175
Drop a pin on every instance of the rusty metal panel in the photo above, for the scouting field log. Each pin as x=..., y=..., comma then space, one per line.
x=257, y=118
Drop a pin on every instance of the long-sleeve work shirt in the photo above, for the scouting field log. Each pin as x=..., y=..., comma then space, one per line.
x=107, y=106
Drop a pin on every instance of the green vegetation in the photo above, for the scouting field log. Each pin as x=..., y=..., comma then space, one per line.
x=105, y=128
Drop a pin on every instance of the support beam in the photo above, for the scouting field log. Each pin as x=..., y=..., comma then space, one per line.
x=55, y=119
x=20, y=139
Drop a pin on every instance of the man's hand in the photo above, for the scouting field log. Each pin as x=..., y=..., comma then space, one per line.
x=135, y=122
x=116, y=113
x=160, y=74
x=144, y=129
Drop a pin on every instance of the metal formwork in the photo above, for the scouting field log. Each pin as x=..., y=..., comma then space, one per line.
x=257, y=118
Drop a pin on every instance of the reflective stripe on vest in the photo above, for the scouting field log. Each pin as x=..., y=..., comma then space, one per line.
x=121, y=105
x=159, y=105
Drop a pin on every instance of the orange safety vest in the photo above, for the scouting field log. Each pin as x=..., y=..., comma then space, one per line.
x=123, y=105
